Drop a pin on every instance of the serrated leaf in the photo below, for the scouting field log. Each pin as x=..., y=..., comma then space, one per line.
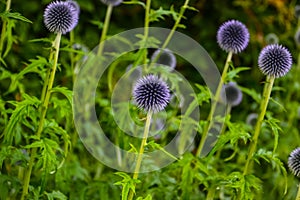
x=234, y=73
x=56, y=195
x=15, y=15
x=21, y=110
x=157, y=15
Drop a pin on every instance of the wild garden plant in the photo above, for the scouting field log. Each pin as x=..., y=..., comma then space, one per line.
x=142, y=105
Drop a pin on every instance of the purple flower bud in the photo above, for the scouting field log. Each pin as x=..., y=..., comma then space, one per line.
x=232, y=94
x=164, y=57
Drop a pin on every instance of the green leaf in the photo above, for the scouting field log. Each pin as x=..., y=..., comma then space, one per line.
x=64, y=91
x=36, y=66
x=127, y=184
x=252, y=93
x=157, y=15
x=56, y=195
x=273, y=123
x=6, y=15
x=22, y=110
x=234, y=73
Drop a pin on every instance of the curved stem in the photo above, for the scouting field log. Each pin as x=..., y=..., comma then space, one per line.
x=214, y=104
x=263, y=107
x=182, y=10
x=45, y=102
x=177, y=22
x=140, y=155
x=4, y=26
x=105, y=29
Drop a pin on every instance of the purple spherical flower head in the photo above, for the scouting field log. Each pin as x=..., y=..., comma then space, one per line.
x=112, y=2
x=232, y=94
x=61, y=16
x=275, y=60
x=150, y=93
x=233, y=36
x=294, y=162
x=164, y=57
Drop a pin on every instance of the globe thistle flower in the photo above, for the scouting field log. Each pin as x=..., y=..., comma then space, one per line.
x=231, y=94
x=294, y=162
x=164, y=57
x=275, y=60
x=297, y=11
x=272, y=38
x=297, y=37
x=112, y=2
x=61, y=16
x=151, y=93
x=233, y=36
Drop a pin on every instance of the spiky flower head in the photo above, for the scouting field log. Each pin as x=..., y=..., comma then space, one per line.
x=297, y=11
x=164, y=57
x=151, y=93
x=61, y=16
x=231, y=94
x=294, y=162
x=272, y=38
x=275, y=60
x=233, y=36
x=112, y=2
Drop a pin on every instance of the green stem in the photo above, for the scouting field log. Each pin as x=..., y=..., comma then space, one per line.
x=105, y=29
x=177, y=22
x=140, y=155
x=4, y=26
x=298, y=194
x=72, y=56
x=214, y=104
x=182, y=10
x=263, y=107
x=45, y=102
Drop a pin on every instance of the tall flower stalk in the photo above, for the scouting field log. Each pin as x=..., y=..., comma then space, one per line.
x=60, y=18
x=233, y=37
x=274, y=61
x=150, y=94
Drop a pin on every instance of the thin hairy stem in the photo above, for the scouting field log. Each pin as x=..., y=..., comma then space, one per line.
x=214, y=104
x=263, y=107
x=45, y=103
x=141, y=152
x=105, y=29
